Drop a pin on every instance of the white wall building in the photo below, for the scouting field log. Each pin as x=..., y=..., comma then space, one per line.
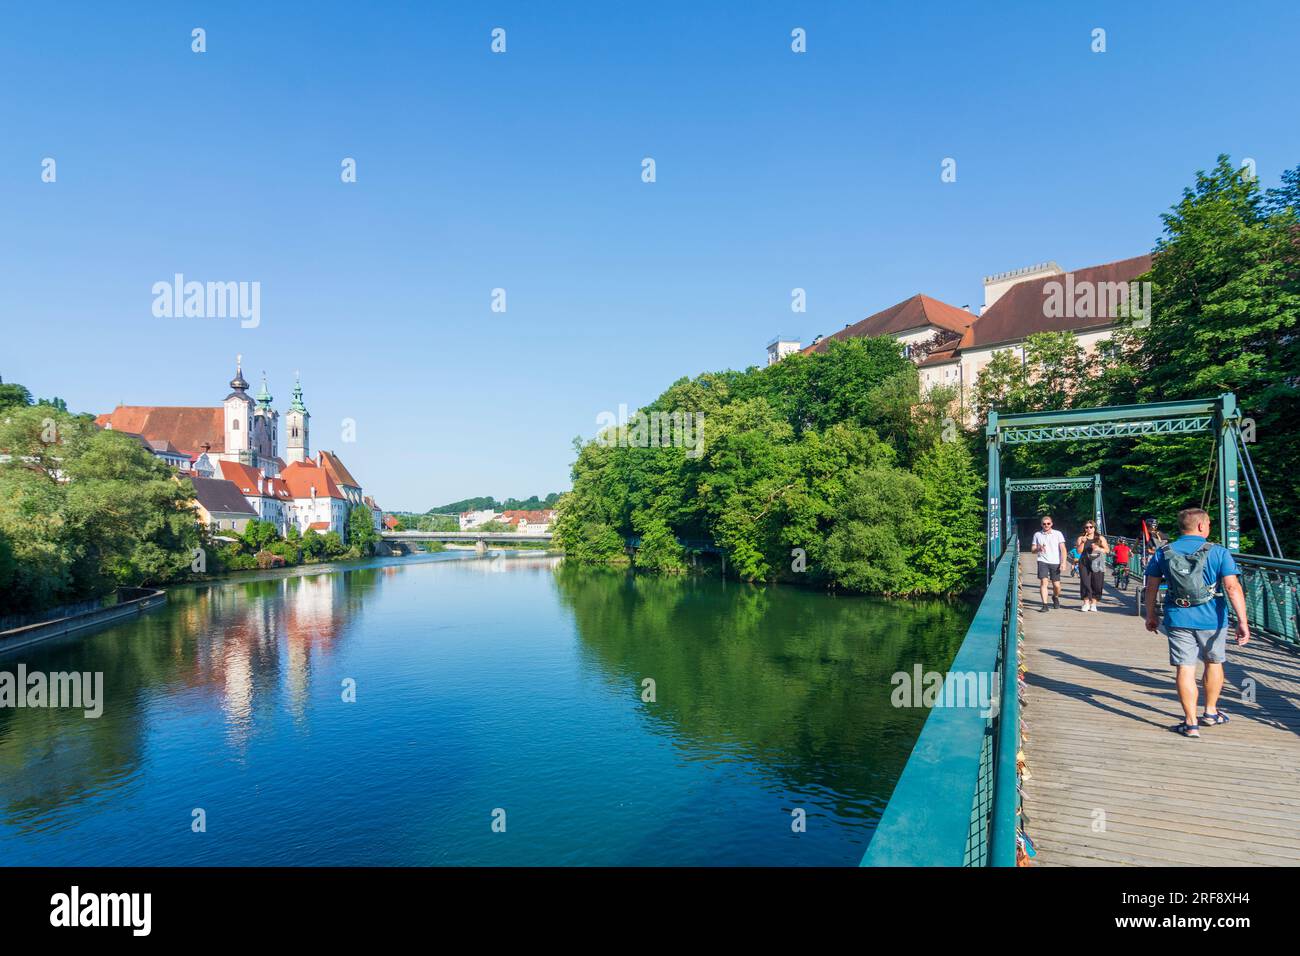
x=469, y=520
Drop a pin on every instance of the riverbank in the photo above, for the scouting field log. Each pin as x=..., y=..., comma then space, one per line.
x=131, y=602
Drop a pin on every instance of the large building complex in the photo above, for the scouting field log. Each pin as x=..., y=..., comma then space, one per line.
x=951, y=346
x=231, y=451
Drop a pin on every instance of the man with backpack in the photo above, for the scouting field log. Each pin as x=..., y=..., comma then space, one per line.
x=1196, y=613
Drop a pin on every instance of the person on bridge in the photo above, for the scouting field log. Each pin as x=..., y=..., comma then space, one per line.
x=1196, y=613
x=1092, y=548
x=1122, y=553
x=1049, y=545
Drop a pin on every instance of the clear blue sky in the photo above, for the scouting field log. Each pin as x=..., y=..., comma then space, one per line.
x=522, y=171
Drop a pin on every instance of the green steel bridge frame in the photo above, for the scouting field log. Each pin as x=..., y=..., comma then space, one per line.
x=1065, y=483
x=1218, y=415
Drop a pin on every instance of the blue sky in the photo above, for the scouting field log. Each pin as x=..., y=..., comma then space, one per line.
x=522, y=171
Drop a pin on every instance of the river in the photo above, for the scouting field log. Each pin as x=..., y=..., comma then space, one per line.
x=501, y=716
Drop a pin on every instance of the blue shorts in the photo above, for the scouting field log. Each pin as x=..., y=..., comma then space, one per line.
x=1187, y=645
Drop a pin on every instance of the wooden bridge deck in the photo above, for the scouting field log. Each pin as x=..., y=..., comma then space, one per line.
x=1100, y=703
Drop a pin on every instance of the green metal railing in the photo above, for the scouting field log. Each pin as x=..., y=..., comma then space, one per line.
x=957, y=801
x=1271, y=586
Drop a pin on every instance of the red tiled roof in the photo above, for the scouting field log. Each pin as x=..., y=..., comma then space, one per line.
x=940, y=356
x=1020, y=311
x=532, y=517
x=917, y=312
x=276, y=488
x=318, y=526
x=338, y=472
x=390, y=522
x=185, y=427
x=302, y=476
x=246, y=476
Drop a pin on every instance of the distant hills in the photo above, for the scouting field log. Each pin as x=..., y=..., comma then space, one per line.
x=489, y=503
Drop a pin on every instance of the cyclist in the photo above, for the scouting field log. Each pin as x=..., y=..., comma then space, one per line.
x=1122, y=554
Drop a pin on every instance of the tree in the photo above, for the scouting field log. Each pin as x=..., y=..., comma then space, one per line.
x=951, y=529
x=12, y=394
x=333, y=544
x=84, y=510
x=313, y=545
x=258, y=535
x=362, y=535
x=872, y=545
x=659, y=550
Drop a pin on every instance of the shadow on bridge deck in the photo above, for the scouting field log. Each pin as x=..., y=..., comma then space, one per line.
x=1112, y=785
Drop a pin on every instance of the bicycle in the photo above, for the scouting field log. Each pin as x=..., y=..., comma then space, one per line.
x=1122, y=577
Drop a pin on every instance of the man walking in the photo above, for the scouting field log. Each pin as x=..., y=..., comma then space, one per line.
x=1049, y=545
x=1196, y=613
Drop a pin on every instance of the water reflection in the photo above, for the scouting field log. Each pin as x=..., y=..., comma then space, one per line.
x=792, y=680
x=241, y=650
x=478, y=687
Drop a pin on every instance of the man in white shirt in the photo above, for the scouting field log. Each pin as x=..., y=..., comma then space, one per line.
x=1049, y=545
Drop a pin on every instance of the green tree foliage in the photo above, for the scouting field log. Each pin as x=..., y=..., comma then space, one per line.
x=659, y=550
x=488, y=503
x=12, y=394
x=333, y=544
x=872, y=544
x=258, y=535
x=313, y=545
x=84, y=510
x=362, y=536
x=951, y=520
x=805, y=473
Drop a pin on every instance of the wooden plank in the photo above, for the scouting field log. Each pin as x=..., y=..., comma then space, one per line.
x=1099, y=705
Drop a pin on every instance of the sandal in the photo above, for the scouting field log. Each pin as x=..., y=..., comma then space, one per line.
x=1210, y=720
x=1188, y=730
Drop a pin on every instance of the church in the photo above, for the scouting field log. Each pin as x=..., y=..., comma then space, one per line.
x=238, y=441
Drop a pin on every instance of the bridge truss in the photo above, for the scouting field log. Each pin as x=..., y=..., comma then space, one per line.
x=1066, y=483
x=1219, y=416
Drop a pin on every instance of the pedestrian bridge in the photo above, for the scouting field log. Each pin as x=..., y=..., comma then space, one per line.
x=1072, y=760
x=1101, y=778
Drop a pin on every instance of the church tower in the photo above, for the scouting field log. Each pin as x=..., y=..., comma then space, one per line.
x=268, y=422
x=297, y=446
x=239, y=419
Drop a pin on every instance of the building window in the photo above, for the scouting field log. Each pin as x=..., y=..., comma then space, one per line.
x=235, y=424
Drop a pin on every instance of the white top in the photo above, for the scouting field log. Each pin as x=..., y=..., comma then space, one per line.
x=1050, y=543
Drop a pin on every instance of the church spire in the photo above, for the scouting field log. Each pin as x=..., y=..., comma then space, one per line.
x=296, y=405
x=264, y=395
x=238, y=383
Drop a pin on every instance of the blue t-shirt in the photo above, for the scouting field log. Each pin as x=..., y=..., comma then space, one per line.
x=1211, y=615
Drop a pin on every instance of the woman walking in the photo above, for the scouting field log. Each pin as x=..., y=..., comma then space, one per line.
x=1092, y=549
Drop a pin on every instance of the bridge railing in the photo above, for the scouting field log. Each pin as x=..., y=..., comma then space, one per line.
x=957, y=801
x=1271, y=586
